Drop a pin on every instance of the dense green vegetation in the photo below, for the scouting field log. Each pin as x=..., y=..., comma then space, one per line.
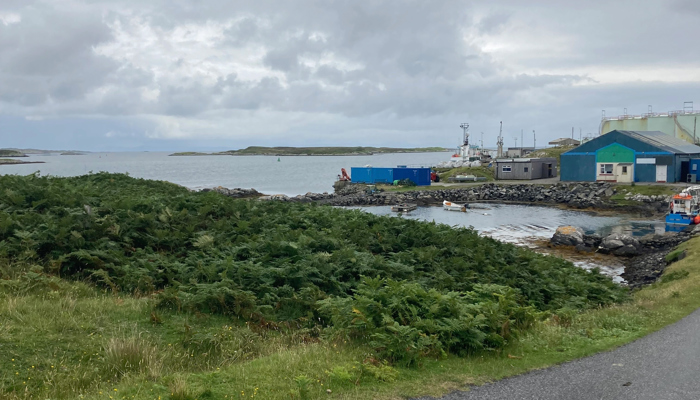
x=11, y=153
x=314, y=151
x=401, y=289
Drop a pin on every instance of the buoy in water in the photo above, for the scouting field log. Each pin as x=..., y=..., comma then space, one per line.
x=278, y=159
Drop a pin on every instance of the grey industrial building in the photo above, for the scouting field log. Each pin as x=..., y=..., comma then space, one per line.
x=519, y=151
x=525, y=168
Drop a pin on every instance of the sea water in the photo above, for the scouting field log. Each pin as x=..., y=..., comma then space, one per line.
x=529, y=226
x=291, y=175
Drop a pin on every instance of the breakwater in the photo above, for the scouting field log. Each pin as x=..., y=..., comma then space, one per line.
x=594, y=195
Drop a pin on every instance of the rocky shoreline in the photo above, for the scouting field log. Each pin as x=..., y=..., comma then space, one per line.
x=592, y=195
x=644, y=258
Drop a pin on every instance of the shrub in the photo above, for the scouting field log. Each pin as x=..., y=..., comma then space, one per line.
x=675, y=255
x=405, y=321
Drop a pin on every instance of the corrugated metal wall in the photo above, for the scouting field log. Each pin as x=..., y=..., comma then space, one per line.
x=421, y=176
x=645, y=173
x=383, y=175
x=578, y=167
x=361, y=175
x=615, y=153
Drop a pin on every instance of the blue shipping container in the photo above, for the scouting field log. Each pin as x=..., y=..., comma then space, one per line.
x=420, y=176
x=382, y=175
x=361, y=175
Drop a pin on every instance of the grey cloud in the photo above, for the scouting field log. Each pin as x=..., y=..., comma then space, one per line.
x=377, y=66
x=48, y=55
x=493, y=23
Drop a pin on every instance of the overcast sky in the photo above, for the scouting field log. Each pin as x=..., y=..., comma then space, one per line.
x=222, y=74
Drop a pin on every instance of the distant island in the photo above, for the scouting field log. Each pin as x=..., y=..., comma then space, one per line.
x=9, y=161
x=314, y=151
x=12, y=153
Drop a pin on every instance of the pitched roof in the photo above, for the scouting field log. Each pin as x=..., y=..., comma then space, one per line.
x=663, y=141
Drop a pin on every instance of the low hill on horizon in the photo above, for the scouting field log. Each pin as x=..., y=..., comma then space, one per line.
x=316, y=151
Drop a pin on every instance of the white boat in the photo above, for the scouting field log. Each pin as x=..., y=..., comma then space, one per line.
x=450, y=206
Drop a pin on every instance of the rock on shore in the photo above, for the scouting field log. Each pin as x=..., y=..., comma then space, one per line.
x=645, y=257
x=575, y=195
x=236, y=193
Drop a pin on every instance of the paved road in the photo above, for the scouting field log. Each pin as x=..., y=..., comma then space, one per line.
x=660, y=366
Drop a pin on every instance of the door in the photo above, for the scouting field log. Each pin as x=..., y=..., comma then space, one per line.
x=661, y=173
x=624, y=172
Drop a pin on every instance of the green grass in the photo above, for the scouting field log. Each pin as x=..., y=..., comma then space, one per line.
x=646, y=190
x=484, y=172
x=554, y=152
x=62, y=339
x=172, y=294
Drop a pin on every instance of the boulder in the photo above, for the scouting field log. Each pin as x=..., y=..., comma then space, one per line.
x=620, y=245
x=568, y=236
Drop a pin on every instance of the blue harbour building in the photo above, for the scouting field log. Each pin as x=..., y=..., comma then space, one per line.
x=632, y=156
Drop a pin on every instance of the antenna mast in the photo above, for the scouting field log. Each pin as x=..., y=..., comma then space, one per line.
x=465, y=127
x=499, y=142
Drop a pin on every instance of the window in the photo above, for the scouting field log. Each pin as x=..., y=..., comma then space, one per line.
x=624, y=170
x=526, y=169
x=606, y=169
x=506, y=168
x=695, y=167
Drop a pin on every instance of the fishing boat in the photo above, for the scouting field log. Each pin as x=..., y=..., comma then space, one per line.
x=684, y=208
x=450, y=206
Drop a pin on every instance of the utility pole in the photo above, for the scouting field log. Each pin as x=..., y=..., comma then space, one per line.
x=520, y=152
x=522, y=143
x=482, y=142
x=580, y=135
x=534, y=140
x=572, y=132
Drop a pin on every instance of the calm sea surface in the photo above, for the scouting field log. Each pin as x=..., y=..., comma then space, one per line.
x=290, y=176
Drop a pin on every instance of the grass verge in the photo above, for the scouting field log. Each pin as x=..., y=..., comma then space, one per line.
x=646, y=190
x=554, y=152
x=64, y=339
x=484, y=172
